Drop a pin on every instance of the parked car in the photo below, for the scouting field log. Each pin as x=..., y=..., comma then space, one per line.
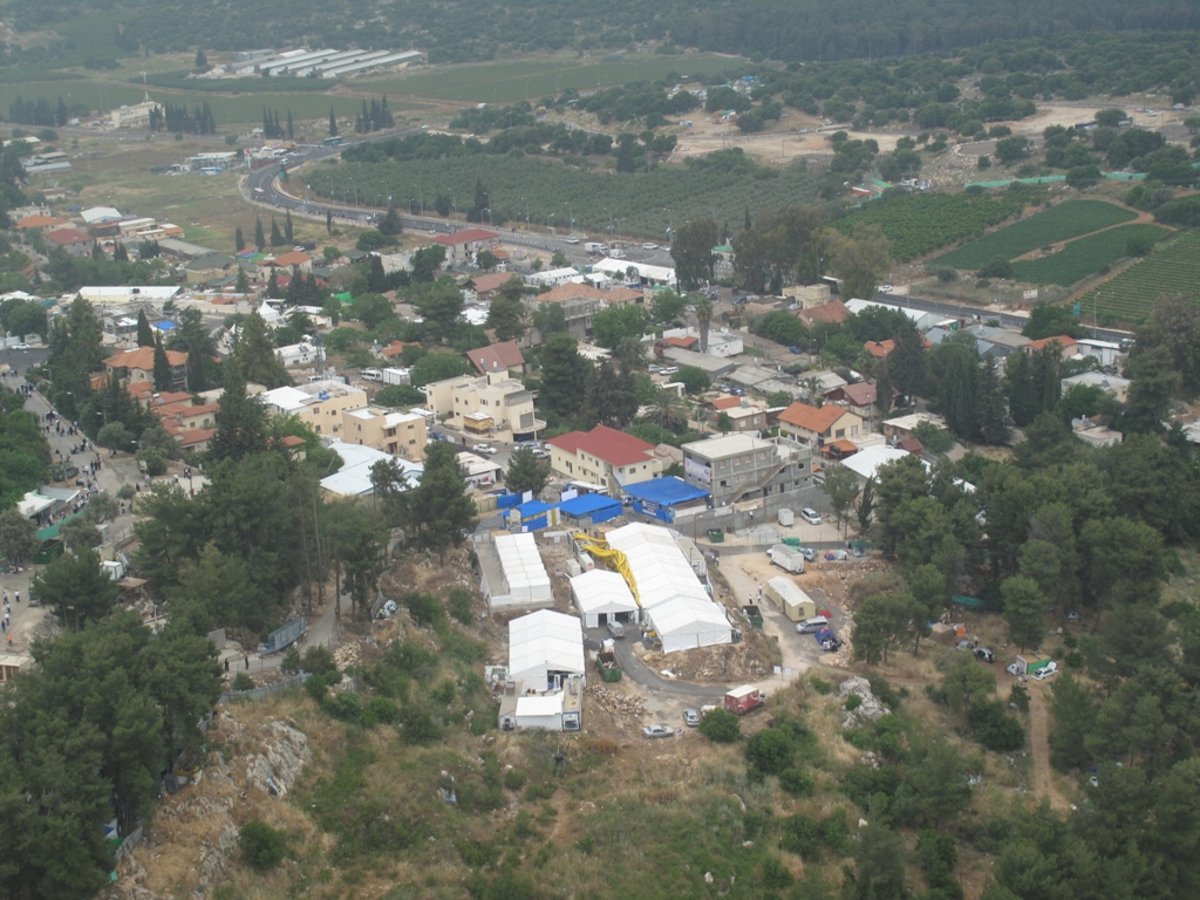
x=572, y=240
x=1048, y=670
x=658, y=731
x=810, y=515
x=885, y=289
x=616, y=629
x=965, y=645
x=485, y=449
x=649, y=245
x=812, y=626
x=985, y=654
x=691, y=717
x=21, y=347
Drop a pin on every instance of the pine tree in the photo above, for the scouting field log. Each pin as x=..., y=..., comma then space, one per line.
x=243, y=283
x=201, y=61
x=120, y=254
x=276, y=235
x=239, y=240
x=145, y=337
x=291, y=127
x=162, y=367
x=333, y=129
x=287, y=227
x=273, y=286
x=993, y=422
x=260, y=239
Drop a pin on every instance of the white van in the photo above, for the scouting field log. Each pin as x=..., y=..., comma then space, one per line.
x=810, y=515
x=812, y=626
x=371, y=375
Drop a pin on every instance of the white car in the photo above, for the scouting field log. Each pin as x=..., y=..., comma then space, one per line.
x=21, y=347
x=649, y=245
x=572, y=240
x=658, y=731
x=1047, y=671
x=485, y=449
x=810, y=515
x=885, y=289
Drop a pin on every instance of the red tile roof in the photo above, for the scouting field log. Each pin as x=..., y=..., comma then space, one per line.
x=491, y=281
x=720, y=403
x=143, y=358
x=834, y=312
x=1064, y=342
x=392, y=350
x=65, y=236
x=466, y=236
x=39, y=221
x=613, y=447
x=293, y=258
x=496, y=357
x=863, y=393
x=880, y=349
x=811, y=418
x=687, y=343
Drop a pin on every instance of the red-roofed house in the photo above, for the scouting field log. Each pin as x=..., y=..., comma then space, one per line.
x=486, y=285
x=136, y=366
x=71, y=240
x=816, y=425
x=880, y=349
x=461, y=246
x=859, y=398
x=832, y=313
x=296, y=260
x=394, y=350
x=1066, y=345
x=39, y=222
x=496, y=357
x=690, y=342
x=604, y=456
x=717, y=404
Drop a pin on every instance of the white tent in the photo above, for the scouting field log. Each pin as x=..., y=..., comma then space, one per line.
x=542, y=647
x=523, y=572
x=676, y=602
x=601, y=596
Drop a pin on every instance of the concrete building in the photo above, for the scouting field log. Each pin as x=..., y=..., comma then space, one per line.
x=496, y=357
x=579, y=303
x=461, y=246
x=135, y=116
x=815, y=425
x=604, y=456
x=71, y=241
x=319, y=404
x=392, y=431
x=494, y=404
x=736, y=467
x=1110, y=384
x=353, y=479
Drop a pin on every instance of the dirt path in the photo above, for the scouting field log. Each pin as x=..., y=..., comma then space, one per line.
x=1143, y=218
x=1039, y=748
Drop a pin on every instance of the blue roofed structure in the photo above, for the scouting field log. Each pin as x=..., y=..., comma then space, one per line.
x=534, y=515
x=661, y=497
x=591, y=509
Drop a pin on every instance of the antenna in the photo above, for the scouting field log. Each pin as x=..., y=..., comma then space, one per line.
x=145, y=90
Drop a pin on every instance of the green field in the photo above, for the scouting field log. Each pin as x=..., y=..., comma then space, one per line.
x=506, y=82
x=920, y=223
x=638, y=203
x=1067, y=220
x=1085, y=256
x=1173, y=268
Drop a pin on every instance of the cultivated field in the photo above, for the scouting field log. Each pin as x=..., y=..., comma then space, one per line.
x=1059, y=223
x=1084, y=257
x=921, y=223
x=1173, y=268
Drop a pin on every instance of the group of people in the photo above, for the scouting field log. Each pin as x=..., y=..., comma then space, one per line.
x=6, y=621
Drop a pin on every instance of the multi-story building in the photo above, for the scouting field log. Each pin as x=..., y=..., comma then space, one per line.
x=604, y=456
x=814, y=425
x=132, y=367
x=395, y=432
x=319, y=404
x=737, y=467
x=494, y=404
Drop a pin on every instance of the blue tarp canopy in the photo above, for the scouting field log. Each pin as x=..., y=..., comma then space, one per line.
x=665, y=491
x=533, y=508
x=587, y=504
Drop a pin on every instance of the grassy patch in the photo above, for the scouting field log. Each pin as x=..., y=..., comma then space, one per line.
x=1059, y=223
x=1172, y=268
x=508, y=81
x=1086, y=256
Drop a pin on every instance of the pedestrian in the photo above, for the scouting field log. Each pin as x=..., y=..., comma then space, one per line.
x=18, y=596
x=246, y=659
x=6, y=598
x=10, y=640
x=227, y=664
x=3, y=624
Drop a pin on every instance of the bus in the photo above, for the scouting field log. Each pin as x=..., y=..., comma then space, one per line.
x=333, y=141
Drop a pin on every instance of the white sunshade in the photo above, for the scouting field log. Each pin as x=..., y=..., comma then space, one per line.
x=544, y=641
x=522, y=565
x=601, y=591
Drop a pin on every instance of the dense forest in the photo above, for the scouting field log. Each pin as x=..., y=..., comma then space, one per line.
x=789, y=30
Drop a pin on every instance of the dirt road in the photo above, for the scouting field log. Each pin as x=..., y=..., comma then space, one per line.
x=1039, y=749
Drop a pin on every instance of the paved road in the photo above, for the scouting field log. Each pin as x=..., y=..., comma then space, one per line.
x=632, y=665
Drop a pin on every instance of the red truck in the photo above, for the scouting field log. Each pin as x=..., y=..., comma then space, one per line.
x=741, y=700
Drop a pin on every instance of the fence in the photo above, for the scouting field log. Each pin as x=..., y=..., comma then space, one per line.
x=266, y=690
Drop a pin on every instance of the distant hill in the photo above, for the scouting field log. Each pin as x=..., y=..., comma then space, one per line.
x=458, y=30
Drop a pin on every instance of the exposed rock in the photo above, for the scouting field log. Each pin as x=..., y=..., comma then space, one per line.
x=868, y=710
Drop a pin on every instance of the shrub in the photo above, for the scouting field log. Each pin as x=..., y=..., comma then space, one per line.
x=319, y=661
x=775, y=874
x=770, y=751
x=801, y=835
x=999, y=267
x=425, y=609
x=462, y=605
x=853, y=702
x=291, y=661
x=417, y=726
x=721, y=727
x=346, y=706
x=820, y=685
x=243, y=682
x=261, y=845
x=994, y=728
x=796, y=782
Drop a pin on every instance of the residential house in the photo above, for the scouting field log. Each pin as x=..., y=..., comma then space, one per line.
x=319, y=404
x=604, y=456
x=905, y=426
x=132, y=367
x=1064, y=343
x=1106, y=353
x=997, y=343
x=814, y=425
x=880, y=349
x=392, y=431
x=860, y=398
x=292, y=261
x=494, y=404
x=580, y=302
x=503, y=355
x=743, y=416
x=486, y=285
x=72, y=241
x=831, y=313
x=1115, y=385
x=461, y=246
x=40, y=223
x=737, y=467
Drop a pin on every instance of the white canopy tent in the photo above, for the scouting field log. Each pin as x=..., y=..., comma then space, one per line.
x=524, y=575
x=543, y=647
x=677, y=604
x=602, y=596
